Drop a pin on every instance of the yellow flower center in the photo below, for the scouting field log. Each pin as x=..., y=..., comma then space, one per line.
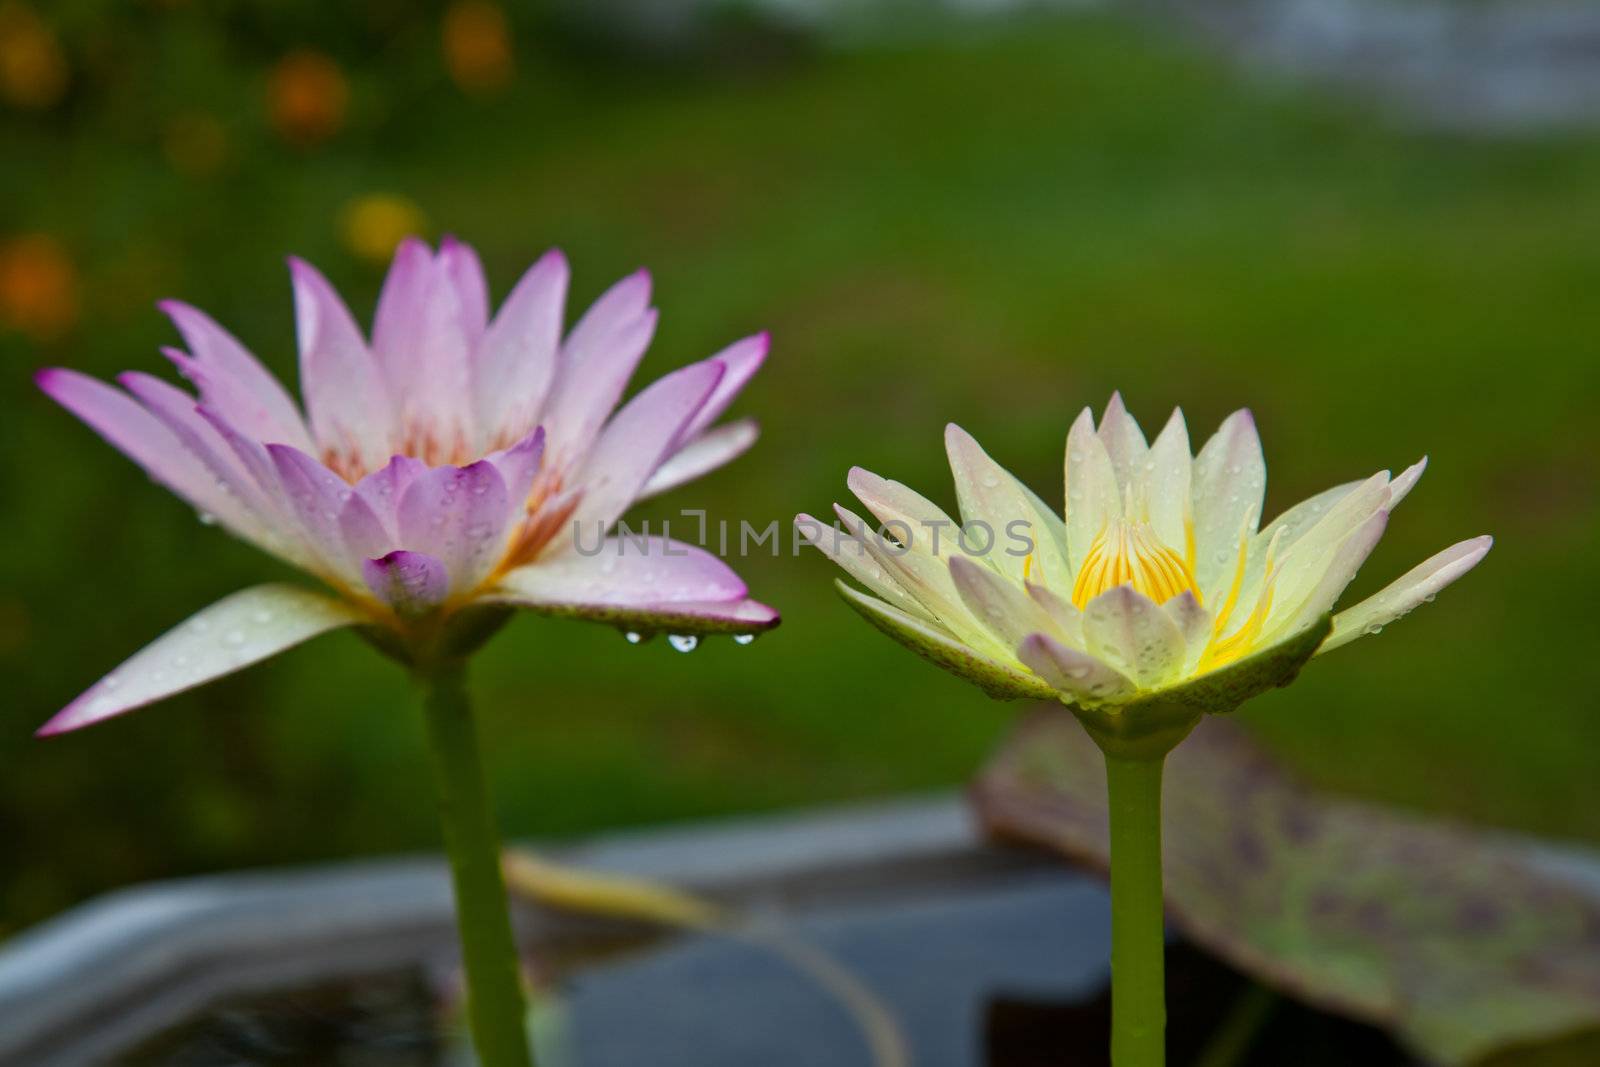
x=1130, y=553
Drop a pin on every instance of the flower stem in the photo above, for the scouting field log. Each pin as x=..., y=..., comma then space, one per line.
x=494, y=984
x=1138, y=947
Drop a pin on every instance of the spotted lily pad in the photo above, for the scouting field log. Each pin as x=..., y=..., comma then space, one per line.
x=1463, y=944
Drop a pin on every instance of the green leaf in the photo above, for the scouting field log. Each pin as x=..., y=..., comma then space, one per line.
x=1457, y=941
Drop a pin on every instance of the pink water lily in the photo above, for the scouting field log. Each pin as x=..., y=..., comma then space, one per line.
x=453, y=463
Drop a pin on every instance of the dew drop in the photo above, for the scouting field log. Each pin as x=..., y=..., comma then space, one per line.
x=990, y=481
x=743, y=639
x=634, y=637
x=233, y=638
x=206, y=518
x=683, y=642
x=261, y=617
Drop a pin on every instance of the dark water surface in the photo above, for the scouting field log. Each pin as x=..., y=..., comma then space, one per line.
x=1007, y=976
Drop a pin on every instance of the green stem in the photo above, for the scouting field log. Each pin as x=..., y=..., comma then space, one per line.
x=1138, y=948
x=494, y=981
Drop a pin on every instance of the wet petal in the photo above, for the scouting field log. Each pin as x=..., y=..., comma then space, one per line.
x=1128, y=631
x=1125, y=444
x=231, y=634
x=346, y=396
x=851, y=553
x=1092, y=497
x=998, y=678
x=516, y=360
x=316, y=496
x=412, y=583
x=421, y=345
x=231, y=380
x=459, y=516
x=1294, y=611
x=1417, y=586
x=646, y=584
x=989, y=494
x=1000, y=604
x=1167, y=487
x=137, y=434
x=1230, y=481
x=1076, y=676
x=463, y=271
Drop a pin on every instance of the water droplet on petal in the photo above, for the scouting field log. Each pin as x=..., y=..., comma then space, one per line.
x=683, y=642
x=743, y=639
x=261, y=617
x=206, y=518
x=990, y=481
x=634, y=637
x=233, y=638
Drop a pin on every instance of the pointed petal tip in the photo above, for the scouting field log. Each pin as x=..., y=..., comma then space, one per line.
x=50, y=379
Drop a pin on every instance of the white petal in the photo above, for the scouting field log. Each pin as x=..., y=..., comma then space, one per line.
x=1019, y=524
x=1168, y=495
x=1000, y=604
x=1078, y=676
x=1093, y=501
x=1128, y=631
x=231, y=634
x=1230, y=480
x=1417, y=586
x=850, y=553
x=1124, y=442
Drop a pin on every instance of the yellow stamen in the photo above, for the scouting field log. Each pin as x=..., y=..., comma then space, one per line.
x=1130, y=553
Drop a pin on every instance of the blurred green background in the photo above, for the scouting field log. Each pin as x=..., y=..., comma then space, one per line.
x=991, y=223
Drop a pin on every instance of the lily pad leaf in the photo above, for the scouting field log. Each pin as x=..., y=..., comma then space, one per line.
x=1463, y=944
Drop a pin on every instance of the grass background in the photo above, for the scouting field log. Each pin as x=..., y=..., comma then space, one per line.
x=996, y=228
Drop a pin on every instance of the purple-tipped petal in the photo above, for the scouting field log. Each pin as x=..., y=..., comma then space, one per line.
x=137, y=434
x=347, y=398
x=1417, y=586
x=464, y=273
x=516, y=360
x=740, y=361
x=640, y=583
x=459, y=515
x=1124, y=442
x=420, y=342
x=233, y=633
x=702, y=455
x=412, y=583
x=595, y=364
x=519, y=465
x=634, y=443
x=247, y=509
x=233, y=381
x=385, y=487
x=1077, y=676
x=316, y=497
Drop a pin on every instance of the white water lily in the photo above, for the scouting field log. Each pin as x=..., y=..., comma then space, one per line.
x=1156, y=584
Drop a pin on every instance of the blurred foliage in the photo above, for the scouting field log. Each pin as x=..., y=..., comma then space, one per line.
x=996, y=227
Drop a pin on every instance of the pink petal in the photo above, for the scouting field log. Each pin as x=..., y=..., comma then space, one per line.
x=458, y=515
x=232, y=381
x=702, y=455
x=413, y=583
x=516, y=360
x=346, y=396
x=248, y=511
x=643, y=583
x=634, y=443
x=520, y=464
x=316, y=497
x=421, y=345
x=599, y=357
x=464, y=272
x=231, y=634
x=385, y=487
x=137, y=434
x=740, y=361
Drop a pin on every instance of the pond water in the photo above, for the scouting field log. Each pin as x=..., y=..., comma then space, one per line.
x=1011, y=975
